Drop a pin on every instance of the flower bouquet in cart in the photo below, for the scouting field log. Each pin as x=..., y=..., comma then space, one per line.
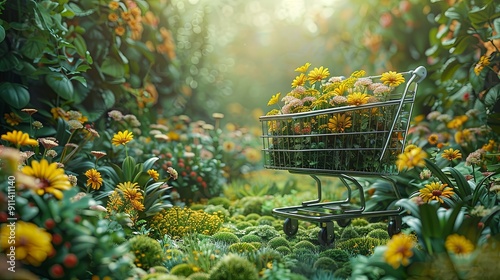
x=351, y=124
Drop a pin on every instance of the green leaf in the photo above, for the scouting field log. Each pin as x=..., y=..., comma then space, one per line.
x=437, y=172
x=128, y=166
x=462, y=186
x=33, y=48
x=464, y=42
x=80, y=45
x=8, y=62
x=492, y=96
x=113, y=68
x=449, y=69
x=148, y=164
x=480, y=16
x=451, y=220
x=2, y=33
x=15, y=95
x=61, y=85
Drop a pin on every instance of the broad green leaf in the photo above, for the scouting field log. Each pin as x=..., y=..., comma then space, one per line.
x=437, y=172
x=462, y=187
x=492, y=96
x=451, y=221
x=148, y=164
x=9, y=62
x=482, y=15
x=2, y=33
x=109, y=99
x=80, y=45
x=464, y=43
x=33, y=48
x=128, y=166
x=61, y=85
x=15, y=95
x=449, y=69
x=477, y=81
x=113, y=68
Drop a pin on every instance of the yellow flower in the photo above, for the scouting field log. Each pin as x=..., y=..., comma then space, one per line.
x=411, y=158
x=113, y=17
x=31, y=244
x=433, y=139
x=122, y=138
x=339, y=123
x=463, y=136
x=435, y=191
x=399, y=250
x=483, y=61
x=318, y=74
x=392, y=79
x=132, y=192
x=58, y=112
x=154, y=174
x=228, y=146
x=19, y=138
x=357, y=98
x=12, y=118
x=113, y=5
x=253, y=155
x=94, y=178
x=451, y=154
x=303, y=68
x=49, y=178
x=300, y=80
x=119, y=30
x=458, y=244
x=274, y=99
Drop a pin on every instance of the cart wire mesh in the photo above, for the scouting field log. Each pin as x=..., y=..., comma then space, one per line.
x=364, y=139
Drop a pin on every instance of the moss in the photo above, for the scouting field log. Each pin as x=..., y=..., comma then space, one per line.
x=263, y=257
x=363, y=231
x=325, y=263
x=147, y=251
x=379, y=234
x=266, y=220
x=223, y=201
x=338, y=255
x=265, y=232
x=378, y=225
x=251, y=204
x=183, y=269
x=359, y=222
x=233, y=267
x=251, y=238
x=349, y=233
x=284, y=250
x=241, y=247
x=305, y=245
x=162, y=276
x=343, y=272
x=360, y=245
x=257, y=245
x=226, y=237
x=243, y=225
x=277, y=242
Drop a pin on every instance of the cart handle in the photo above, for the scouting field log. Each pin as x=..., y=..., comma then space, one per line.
x=417, y=76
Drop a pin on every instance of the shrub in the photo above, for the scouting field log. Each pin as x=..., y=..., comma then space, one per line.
x=257, y=245
x=234, y=267
x=277, y=242
x=183, y=269
x=199, y=276
x=378, y=225
x=379, y=234
x=251, y=238
x=159, y=269
x=284, y=250
x=226, y=237
x=325, y=263
x=359, y=222
x=173, y=257
x=360, y=245
x=363, y=231
x=243, y=225
x=265, y=232
x=147, y=251
x=241, y=247
x=343, y=272
x=349, y=233
x=222, y=201
x=252, y=217
x=266, y=220
x=178, y=222
x=219, y=210
x=197, y=206
x=251, y=204
x=265, y=256
x=338, y=255
x=161, y=276
x=304, y=244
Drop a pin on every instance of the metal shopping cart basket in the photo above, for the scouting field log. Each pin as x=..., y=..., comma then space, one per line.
x=366, y=144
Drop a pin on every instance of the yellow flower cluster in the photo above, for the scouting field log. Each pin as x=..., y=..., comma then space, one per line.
x=126, y=198
x=178, y=222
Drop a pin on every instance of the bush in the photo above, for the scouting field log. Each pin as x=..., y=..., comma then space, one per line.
x=233, y=267
x=359, y=222
x=284, y=250
x=241, y=247
x=325, y=263
x=251, y=238
x=243, y=225
x=343, y=272
x=147, y=252
x=379, y=234
x=277, y=242
x=199, y=276
x=266, y=220
x=218, y=210
x=265, y=232
x=338, y=255
x=360, y=245
x=226, y=237
x=222, y=201
x=252, y=217
x=251, y=205
x=183, y=269
x=304, y=244
x=378, y=225
x=349, y=233
x=162, y=276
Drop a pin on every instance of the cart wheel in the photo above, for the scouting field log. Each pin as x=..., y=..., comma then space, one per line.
x=290, y=226
x=394, y=225
x=344, y=222
x=326, y=235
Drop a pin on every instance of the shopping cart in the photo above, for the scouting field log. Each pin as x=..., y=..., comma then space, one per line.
x=369, y=148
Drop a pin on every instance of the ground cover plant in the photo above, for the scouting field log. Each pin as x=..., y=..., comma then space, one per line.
x=114, y=163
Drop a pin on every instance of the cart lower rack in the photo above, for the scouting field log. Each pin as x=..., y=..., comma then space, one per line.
x=347, y=142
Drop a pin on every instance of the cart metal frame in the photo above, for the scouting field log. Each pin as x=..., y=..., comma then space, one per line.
x=342, y=211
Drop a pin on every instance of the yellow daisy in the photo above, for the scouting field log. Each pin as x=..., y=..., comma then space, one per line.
x=357, y=98
x=318, y=74
x=435, y=191
x=392, y=79
x=19, y=138
x=49, y=178
x=12, y=118
x=412, y=158
x=451, y=154
x=433, y=139
x=122, y=138
x=458, y=244
x=154, y=174
x=132, y=193
x=339, y=123
x=94, y=178
x=399, y=250
x=31, y=244
x=303, y=68
x=300, y=80
x=274, y=99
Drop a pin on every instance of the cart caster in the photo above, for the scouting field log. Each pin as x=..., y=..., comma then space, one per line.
x=326, y=235
x=290, y=226
x=394, y=225
x=344, y=222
